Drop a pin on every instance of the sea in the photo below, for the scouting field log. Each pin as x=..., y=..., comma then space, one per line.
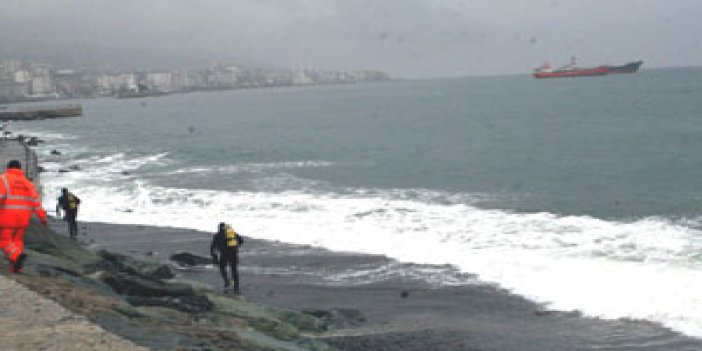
x=582, y=194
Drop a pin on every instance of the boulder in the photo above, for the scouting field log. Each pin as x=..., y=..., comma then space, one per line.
x=188, y=259
x=301, y=321
x=144, y=269
x=126, y=284
x=338, y=317
x=188, y=304
x=43, y=241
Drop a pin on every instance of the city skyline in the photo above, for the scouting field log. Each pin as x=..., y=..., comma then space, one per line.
x=28, y=80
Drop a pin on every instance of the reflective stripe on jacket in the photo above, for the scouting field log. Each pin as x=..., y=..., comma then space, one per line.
x=18, y=199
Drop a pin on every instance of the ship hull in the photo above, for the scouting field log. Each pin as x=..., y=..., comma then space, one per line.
x=586, y=72
x=630, y=67
x=603, y=70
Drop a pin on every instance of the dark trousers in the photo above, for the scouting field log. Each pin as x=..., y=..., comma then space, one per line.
x=230, y=258
x=70, y=217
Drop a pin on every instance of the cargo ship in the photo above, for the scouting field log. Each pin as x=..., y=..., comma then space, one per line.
x=573, y=70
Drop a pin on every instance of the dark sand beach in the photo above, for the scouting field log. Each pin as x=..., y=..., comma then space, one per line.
x=373, y=303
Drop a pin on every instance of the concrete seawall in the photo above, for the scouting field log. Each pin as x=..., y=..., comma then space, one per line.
x=31, y=322
x=14, y=149
x=41, y=112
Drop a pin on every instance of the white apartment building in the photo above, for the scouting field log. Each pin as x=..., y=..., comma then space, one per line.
x=161, y=81
x=116, y=82
x=22, y=76
x=9, y=67
x=41, y=85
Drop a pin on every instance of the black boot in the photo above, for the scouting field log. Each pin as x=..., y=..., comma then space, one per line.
x=17, y=266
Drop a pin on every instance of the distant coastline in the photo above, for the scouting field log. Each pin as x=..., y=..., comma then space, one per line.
x=30, y=99
x=27, y=81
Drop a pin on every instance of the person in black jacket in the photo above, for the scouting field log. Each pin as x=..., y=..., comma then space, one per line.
x=69, y=204
x=225, y=250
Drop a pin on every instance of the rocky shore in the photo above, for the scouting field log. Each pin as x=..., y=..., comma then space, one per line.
x=134, y=299
x=155, y=287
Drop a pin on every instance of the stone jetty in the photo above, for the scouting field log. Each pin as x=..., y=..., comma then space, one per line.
x=40, y=112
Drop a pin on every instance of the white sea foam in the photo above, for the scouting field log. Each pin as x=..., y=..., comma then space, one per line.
x=436, y=275
x=250, y=167
x=645, y=269
x=22, y=128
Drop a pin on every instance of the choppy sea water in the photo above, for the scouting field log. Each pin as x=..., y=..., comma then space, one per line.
x=583, y=194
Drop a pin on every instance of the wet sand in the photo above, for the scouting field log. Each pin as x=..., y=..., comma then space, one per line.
x=374, y=303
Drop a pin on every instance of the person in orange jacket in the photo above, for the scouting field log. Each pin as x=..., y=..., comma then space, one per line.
x=18, y=200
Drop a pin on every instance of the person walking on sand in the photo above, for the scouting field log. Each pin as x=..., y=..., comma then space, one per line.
x=226, y=242
x=18, y=200
x=69, y=204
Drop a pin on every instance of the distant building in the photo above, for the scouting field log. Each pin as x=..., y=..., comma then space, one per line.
x=301, y=76
x=71, y=83
x=41, y=70
x=9, y=67
x=179, y=80
x=10, y=90
x=41, y=85
x=160, y=81
x=224, y=77
x=189, y=80
x=277, y=78
x=6, y=92
x=22, y=76
x=111, y=83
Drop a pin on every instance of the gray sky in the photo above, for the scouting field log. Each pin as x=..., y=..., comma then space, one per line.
x=407, y=38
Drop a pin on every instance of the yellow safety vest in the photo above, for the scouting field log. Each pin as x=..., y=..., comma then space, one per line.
x=232, y=237
x=72, y=202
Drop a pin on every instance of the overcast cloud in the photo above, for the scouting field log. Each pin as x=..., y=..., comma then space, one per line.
x=407, y=38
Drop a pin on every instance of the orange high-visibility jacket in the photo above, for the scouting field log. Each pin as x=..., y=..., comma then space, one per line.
x=18, y=200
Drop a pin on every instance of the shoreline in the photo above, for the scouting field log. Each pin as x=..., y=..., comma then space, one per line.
x=392, y=311
x=138, y=301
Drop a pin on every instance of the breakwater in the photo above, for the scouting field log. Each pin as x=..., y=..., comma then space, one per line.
x=41, y=112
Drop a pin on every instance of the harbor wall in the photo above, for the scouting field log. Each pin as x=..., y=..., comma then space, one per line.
x=17, y=149
x=41, y=112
